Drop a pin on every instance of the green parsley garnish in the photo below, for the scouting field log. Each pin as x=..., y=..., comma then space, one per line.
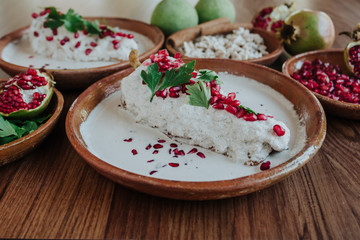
x=11, y=130
x=199, y=94
x=208, y=75
x=72, y=21
x=172, y=78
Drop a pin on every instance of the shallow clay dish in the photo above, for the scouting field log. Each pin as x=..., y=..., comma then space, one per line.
x=335, y=57
x=224, y=26
x=306, y=107
x=18, y=148
x=84, y=77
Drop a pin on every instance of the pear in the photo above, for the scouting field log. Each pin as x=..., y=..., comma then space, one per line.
x=173, y=15
x=213, y=9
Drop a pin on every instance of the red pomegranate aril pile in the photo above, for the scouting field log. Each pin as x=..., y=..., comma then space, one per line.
x=328, y=80
x=262, y=21
x=354, y=59
x=11, y=98
x=265, y=166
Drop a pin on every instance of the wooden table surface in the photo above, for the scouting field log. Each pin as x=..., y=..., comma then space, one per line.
x=53, y=193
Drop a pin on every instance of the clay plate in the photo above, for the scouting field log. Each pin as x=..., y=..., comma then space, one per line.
x=223, y=26
x=18, y=148
x=82, y=78
x=335, y=57
x=306, y=106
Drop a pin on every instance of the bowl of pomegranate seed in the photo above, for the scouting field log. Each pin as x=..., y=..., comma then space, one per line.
x=76, y=51
x=221, y=39
x=324, y=73
x=19, y=134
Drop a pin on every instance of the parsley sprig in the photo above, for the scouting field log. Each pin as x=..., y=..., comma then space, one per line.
x=72, y=21
x=208, y=75
x=172, y=78
x=11, y=130
x=199, y=94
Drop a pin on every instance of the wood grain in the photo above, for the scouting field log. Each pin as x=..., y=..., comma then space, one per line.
x=52, y=193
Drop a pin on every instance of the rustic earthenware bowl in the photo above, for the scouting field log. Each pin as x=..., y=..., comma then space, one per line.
x=223, y=26
x=307, y=108
x=19, y=148
x=82, y=78
x=335, y=57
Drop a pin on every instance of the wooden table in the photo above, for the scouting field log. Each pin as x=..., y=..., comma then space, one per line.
x=53, y=193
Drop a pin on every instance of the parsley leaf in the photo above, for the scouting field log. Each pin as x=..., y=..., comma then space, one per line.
x=6, y=128
x=176, y=77
x=152, y=78
x=73, y=21
x=199, y=94
x=208, y=75
x=92, y=27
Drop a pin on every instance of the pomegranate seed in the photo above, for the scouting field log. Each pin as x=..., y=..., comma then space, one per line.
x=232, y=96
x=261, y=117
x=181, y=153
x=152, y=160
x=157, y=146
x=249, y=117
x=241, y=113
x=173, y=164
x=77, y=44
x=218, y=106
x=162, y=93
x=265, y=166
x=130, y=36
x=76, y=35
x=93, y=44
x=148, y=147
x=280, y=131
x=88, y=51
x=34, y=15
x=134, y=152
x=161, y=141
x=54, y=31
x=152, y=172
x=49, y=38
x=177, y=55
x=231, y=109
x=174, y=94
x=173, y=145
x=194, y=150
x=155, y=152
x=200, y=154
x=128, y=140
x=36, y=34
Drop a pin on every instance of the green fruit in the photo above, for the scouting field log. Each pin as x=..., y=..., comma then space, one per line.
x=26, y=95
x=307, y=30
x=173, y=15
x=213, y=9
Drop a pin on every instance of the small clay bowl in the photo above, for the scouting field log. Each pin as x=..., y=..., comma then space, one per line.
x=84, y=77
x=224, y=26
x=307, y=107
x=335, y=57
x=17, y=149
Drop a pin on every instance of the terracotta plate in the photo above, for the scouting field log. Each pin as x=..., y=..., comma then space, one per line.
x=306, y=109
x=18, y=148
x=84, y=77
x=223, y=26
x=335, y=57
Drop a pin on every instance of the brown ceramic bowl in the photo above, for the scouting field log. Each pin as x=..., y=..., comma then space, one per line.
x=223, y=26
x=306, y=106
x=335, y=57
x=16, y=149
x=82, y=78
